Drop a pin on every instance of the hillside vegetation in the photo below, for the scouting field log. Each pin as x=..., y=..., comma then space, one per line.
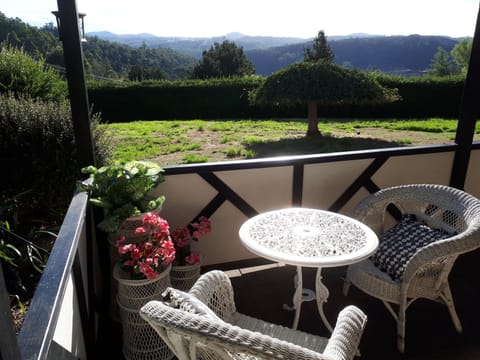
x=102, y=58
x=403, y=55
x=137, y=57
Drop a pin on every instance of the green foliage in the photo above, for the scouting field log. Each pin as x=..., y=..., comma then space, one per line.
x=37, y=147
x=194, y=159
x=461, y=54
x=410, y=55
x=117, y=61
x=20, y=73
x=320, y=50
x=446, y=64
x=22, y=260
x=102, y=58
x=322, y=83
x=223, y=60
x=422, y=97
x=8, y=252
x=187, y=99
x=442, y=64
x=140, y=73
x=37, y=43
x=9, y=257
x=121, y=189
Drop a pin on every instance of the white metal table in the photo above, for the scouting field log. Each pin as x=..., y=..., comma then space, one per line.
x=306, y=237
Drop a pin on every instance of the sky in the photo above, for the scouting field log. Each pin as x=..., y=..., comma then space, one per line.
x=297, y=18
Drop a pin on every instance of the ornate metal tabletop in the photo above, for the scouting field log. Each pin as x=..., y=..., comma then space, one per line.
x=308, y=237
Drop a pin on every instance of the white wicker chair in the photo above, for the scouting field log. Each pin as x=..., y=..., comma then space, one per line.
x=231, y=335
x=426, y=273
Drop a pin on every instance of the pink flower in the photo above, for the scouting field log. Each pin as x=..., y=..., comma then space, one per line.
x=193, y=258
x=124, y=249
x=136, y=254
x=147, y=270
x=140, y=230
x=120, y=240
x=182, y=237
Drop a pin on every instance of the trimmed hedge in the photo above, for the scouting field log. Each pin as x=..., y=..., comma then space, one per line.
x=225, y=98
x=422, y=97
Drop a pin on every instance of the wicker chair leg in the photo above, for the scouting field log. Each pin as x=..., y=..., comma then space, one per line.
x=401, y=326
x=448, y=299
x=401, y=336
x=346, y=286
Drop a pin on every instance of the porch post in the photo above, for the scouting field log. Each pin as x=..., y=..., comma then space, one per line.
x=73, y=56
x=469, y=111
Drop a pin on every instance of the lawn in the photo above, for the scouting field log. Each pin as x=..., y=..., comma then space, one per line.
x=192, y=141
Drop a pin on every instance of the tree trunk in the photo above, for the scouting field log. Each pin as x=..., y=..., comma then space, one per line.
x=312, y=119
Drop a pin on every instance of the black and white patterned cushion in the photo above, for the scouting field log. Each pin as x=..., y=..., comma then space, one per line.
x=401, y=242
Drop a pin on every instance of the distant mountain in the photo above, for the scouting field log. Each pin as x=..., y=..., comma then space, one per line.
x=195, y=46
x=405, y=55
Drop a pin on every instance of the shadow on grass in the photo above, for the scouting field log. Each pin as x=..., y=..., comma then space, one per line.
x=316, y=145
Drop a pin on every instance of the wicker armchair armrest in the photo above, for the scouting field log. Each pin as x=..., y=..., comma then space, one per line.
x=346, y=335
x=443, y=253
x=215, y=290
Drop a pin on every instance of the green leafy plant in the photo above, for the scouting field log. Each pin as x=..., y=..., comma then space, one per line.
x=7, y=251
x=121, y=189
x=20, y=73
x=21, y=257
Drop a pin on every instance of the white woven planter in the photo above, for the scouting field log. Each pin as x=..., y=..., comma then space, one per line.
x=133, y=294
x=183, y=277
x=140, y=340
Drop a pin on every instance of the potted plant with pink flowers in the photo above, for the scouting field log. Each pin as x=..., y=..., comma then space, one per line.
x=146, y=261
x=143, y=273
x=186, y=266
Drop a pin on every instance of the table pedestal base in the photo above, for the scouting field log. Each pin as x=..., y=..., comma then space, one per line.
x=300, y=295
x=322, y=294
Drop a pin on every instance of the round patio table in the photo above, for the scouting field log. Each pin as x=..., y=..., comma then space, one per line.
x=306, y=237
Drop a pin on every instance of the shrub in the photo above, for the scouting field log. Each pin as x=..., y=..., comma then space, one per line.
x=190, y=99
x=422, y=97
x=21, y=74
x=38, y=154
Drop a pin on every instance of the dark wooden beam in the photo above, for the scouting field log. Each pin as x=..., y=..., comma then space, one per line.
x=469, y=111
x=73, y=56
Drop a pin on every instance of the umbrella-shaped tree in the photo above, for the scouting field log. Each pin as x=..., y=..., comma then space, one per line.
x=321, y=82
